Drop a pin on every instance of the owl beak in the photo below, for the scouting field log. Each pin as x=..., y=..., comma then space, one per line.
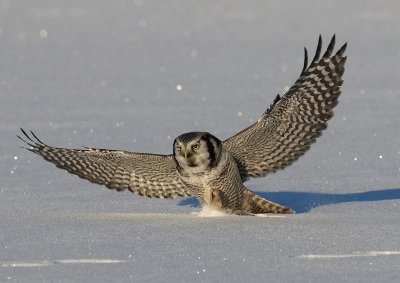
x=188, y=155
x=184, y=154
x=189, y=160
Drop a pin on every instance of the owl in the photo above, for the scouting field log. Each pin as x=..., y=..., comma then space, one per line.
x=212, y=170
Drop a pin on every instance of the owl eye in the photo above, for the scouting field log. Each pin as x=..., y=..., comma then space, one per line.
x=196, y=146
x=178, y=149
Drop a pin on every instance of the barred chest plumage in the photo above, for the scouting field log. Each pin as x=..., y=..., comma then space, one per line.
x=219, y=185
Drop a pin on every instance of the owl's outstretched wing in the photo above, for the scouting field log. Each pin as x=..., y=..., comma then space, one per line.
x=288, y=127
x=148, y=175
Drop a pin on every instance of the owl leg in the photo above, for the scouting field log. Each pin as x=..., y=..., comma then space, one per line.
x=216, y=198
x=211, y=202
x=254, y=204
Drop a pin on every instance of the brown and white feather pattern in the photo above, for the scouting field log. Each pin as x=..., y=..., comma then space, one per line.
x=148, y=175
x=288, y=127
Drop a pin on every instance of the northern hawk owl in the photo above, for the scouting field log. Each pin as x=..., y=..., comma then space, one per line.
x=213, y=170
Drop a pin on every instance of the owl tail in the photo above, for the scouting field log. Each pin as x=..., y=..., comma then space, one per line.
x=254, y=204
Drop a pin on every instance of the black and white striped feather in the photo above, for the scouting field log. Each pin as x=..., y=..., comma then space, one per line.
x=148, y=175
x=292, y=123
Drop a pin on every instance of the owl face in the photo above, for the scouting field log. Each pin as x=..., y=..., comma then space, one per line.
x=196, y=151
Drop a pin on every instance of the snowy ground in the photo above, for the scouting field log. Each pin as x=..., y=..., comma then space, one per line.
x=105, y=74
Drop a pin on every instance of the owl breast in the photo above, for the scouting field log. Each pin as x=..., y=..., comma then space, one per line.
x=219, y=186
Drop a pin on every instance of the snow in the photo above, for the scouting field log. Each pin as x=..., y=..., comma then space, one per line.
x=210, y=211
x=106, y=74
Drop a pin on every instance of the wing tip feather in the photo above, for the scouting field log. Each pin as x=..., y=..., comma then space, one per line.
x=305, y=64
x=330, y=47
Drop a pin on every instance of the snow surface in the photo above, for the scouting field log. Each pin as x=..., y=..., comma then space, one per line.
x=134, y=75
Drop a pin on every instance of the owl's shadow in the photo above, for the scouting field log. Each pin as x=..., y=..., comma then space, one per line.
x=303, y=202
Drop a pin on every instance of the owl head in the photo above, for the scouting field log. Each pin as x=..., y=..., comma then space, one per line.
x=196, y=151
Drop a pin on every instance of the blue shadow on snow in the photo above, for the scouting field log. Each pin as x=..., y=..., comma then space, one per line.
x=303, y=202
